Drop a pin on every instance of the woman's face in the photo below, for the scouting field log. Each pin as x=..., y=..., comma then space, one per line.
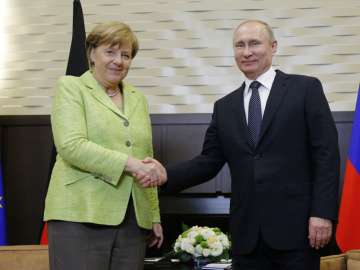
x=111, y=63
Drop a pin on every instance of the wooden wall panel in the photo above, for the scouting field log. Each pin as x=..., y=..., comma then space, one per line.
x=26, y=146
x=25, y=160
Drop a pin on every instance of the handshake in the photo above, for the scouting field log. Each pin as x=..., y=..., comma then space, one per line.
x=149, y=172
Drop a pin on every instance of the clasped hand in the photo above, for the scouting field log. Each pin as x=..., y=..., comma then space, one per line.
x=149, y=172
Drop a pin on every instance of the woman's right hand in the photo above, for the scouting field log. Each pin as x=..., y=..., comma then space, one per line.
x=161, y=171
x=146, y=171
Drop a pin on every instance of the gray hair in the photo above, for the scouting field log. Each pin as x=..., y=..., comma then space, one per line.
x=266, y=26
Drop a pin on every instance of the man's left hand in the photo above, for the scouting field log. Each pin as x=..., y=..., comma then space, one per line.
x=320, y=231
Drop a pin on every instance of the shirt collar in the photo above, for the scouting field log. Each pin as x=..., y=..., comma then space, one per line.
x=266, y=79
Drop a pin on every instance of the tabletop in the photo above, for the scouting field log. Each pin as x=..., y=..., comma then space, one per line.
x=165, y=265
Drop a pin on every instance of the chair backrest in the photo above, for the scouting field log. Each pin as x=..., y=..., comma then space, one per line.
x=334, y=262
x=353, y=259
x=27, y=257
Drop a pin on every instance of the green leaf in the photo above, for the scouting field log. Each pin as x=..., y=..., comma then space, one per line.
x=184, y=227
x=216, y=230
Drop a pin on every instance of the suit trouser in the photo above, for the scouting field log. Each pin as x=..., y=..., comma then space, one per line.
x=85, y=246
x=263, y=257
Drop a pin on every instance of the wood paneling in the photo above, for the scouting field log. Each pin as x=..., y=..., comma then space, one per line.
x=26, y=146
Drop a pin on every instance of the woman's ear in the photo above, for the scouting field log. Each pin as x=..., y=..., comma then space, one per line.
x=92, y=56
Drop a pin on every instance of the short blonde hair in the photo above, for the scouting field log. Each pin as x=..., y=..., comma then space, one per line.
x=113, y=33
x=267, y=27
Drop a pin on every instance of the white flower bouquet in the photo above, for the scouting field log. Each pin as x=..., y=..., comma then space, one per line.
x=203, y=242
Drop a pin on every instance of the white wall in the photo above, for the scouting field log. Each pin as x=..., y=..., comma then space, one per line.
x=186, y=58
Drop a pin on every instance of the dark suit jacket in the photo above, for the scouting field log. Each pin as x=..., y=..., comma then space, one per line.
x=290, y=175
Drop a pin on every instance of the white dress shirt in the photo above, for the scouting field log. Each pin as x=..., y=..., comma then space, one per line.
x=266, y=79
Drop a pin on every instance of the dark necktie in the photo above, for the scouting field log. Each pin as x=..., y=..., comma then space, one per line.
x=254, y=116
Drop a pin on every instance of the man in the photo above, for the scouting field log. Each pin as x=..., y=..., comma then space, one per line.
x=280, y=142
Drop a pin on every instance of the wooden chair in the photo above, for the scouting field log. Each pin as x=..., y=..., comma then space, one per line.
x=27, y=257
x=334, y=262
x=353, y=259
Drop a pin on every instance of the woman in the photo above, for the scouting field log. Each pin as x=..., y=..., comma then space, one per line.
x=98, y=214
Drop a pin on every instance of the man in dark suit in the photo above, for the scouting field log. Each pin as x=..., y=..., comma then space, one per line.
x=278, y=137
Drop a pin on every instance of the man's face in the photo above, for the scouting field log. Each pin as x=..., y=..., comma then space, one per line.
x=253, y=49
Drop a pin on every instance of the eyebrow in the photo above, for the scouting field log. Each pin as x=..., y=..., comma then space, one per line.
x=248, y=41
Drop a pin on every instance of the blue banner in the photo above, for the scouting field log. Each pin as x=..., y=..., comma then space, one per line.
x=354, y=149
x=2, y=212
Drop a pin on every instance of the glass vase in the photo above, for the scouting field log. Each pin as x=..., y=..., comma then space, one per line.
x=200, y=262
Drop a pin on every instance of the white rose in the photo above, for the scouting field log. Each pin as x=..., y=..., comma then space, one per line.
x=226, y=243
x=217, y=249
x=188, y=248
x=192, y=240
x=192, y=234
x=206, y=233
x=212, y=240
x=185, y=241
x=224, y=240
x=198, y=250
x=217, y=244
x=206, y=252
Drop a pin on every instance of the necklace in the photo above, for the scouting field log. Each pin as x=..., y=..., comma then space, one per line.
x=114, y=93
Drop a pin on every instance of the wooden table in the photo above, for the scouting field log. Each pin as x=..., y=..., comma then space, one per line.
x=165, y=265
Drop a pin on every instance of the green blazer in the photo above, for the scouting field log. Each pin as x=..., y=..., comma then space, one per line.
x=94, y=139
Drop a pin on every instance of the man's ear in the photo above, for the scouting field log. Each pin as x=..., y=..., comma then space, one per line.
x=274, y=47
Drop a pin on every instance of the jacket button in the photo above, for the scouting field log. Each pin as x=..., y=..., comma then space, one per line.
x=128, y=143
x=126, y=123
x=257, y=157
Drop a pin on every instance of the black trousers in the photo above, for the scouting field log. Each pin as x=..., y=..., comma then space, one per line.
x=85, y=246
x=263, y=257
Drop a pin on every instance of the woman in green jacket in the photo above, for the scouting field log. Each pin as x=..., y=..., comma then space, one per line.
x=98, y=214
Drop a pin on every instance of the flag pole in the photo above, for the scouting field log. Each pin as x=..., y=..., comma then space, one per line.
x=76, y=66
x=348, y=229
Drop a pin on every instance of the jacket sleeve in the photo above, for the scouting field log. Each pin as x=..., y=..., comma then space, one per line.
x=68, y=122
x=152, y=192
x=201, y=168
x=154, y=201
x=324, y=151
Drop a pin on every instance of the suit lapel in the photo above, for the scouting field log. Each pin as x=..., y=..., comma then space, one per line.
x=277, y=93
x=130, y=98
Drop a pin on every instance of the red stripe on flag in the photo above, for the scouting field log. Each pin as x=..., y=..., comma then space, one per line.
x=348, y=229
x=44, y=236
